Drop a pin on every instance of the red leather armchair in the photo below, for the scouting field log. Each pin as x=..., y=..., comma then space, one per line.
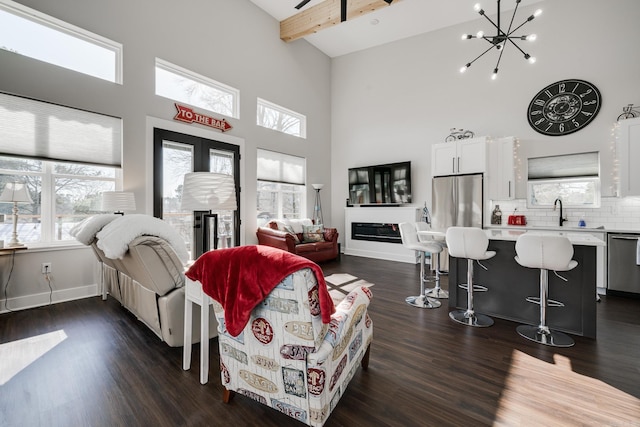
x=269, y=235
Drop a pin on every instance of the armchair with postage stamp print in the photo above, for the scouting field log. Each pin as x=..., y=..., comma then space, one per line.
x=290, y=355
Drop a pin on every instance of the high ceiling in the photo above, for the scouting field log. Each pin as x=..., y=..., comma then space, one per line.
x=400, y=19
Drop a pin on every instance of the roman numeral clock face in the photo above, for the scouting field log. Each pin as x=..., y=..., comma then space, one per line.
x=564, y=107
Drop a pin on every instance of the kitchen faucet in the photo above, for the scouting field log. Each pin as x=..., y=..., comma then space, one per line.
x=561, y=220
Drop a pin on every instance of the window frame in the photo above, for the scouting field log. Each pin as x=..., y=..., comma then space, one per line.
x=71, y=30
x=564, y=185
x=200, y=79
x=48, y=177
x=279, y=180
x=281, y=110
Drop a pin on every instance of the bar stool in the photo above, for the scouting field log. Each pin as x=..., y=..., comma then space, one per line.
x=470, y=243
x=545, y=252
x=409, y=236
x=436, y=291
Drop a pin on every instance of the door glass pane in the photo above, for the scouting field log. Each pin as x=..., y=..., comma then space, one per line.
x=177, y=160
x=222, y=162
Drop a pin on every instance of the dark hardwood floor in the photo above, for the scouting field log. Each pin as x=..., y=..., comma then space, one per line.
x=94, y=364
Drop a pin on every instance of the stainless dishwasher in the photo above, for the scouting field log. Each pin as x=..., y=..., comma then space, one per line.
x=622, y=267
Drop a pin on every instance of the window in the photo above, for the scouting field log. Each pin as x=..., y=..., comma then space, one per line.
x=30, y=33
x=63, y=194
x=281, y=189
x=574, y=178
x=575, y=193
x=66, y=157
x=180, y=84
x=272, y=116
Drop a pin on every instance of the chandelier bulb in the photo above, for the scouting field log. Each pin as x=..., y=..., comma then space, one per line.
x=480, y=34
x=495, y=74
x=477, y=7
x=537, y=13
x=466, y=36
x=531, y=59
x=463, y=69
x=531, y=37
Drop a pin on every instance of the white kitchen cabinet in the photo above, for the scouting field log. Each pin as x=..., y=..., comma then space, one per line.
x=628, y=153
x=459, y=157
x=501, y=174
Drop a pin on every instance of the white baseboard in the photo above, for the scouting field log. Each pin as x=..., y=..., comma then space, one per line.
x=42, y=299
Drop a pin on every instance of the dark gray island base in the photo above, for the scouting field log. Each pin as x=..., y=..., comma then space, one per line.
x=509, y=284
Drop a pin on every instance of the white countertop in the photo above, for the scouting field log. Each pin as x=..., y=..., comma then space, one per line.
x=575, y=237
x=600, y=229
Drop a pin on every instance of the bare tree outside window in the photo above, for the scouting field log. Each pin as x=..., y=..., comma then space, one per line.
x=278, y=118
x=74, y=189
x=180, y=84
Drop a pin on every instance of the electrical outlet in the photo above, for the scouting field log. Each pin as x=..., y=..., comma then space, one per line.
x=46, y=267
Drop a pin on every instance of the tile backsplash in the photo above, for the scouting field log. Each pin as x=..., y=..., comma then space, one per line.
x=614, y=214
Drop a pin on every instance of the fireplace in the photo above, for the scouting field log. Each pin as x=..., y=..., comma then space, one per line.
x=375, y=232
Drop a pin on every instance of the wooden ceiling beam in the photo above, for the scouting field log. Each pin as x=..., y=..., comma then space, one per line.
x=325, y=15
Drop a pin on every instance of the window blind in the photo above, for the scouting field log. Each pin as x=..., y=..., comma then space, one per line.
x=564, y=166
x=279, y=167
x=46, y=131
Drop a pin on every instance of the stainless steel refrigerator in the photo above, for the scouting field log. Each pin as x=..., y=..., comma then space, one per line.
x=456, y=201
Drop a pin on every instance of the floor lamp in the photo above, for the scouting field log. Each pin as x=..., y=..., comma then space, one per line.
x=208, y=192
x=118, y=201
x=15, y=192
x=317, y=209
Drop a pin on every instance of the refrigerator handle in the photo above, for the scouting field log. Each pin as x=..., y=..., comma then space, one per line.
x=509, y=188
x=453, y=165
x=458, y=165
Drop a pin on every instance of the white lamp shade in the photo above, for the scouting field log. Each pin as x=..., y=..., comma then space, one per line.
x=317, y=186
x=15, y=192
x=118, y=201
x=206, y=191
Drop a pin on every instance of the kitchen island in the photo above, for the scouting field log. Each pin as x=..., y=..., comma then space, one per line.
x=509, y=284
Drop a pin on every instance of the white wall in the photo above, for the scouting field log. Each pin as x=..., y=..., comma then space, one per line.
x=391, y=103
x=233, y=42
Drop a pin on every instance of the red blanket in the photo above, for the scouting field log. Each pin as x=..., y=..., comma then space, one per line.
x=240, y=278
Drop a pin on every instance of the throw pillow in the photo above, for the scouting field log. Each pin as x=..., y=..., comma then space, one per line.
x=313, y=233
x=298, y=224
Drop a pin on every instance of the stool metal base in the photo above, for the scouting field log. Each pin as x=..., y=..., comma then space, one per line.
x=423, y=302
x=546, y=337
x=470, y=318
x=437, y=293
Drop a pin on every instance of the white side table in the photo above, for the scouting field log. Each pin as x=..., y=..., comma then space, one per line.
x=193, y=294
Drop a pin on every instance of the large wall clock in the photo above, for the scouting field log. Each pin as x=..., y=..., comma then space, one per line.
x=564, y=107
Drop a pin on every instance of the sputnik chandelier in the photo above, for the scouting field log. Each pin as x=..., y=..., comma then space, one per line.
x=502, y=37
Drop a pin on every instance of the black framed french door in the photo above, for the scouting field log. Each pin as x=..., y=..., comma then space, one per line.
x=174, y=155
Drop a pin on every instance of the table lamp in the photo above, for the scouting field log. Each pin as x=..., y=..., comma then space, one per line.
x=15, y=192
x=207, y=191
x=118, y=201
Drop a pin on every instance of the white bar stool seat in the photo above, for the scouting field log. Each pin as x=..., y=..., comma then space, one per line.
x=409, y=236
x=545, y=252
x=470, y=243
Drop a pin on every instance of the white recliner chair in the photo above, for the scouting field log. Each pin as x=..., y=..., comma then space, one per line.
x=144, y=260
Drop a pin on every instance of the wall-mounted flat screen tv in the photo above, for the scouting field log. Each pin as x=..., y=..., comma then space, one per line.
x=388, y=184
